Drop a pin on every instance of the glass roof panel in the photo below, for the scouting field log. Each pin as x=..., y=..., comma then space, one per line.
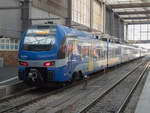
x=137, y=9
x=138, y=20
x=128, y=9
x=133, y=15
x=125, y=1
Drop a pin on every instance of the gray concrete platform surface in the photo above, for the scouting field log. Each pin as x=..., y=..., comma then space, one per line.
x=143, y=105
x=9, y=83
x=8, y=75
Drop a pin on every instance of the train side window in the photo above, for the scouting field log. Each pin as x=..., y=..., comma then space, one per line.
x=69, y=47
x=72, y=46
x=95, y=54
x=84, y=51
x=62, y=49
x=101, y=54
x=83, y=48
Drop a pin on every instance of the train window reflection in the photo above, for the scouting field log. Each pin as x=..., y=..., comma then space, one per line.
x=40, y=38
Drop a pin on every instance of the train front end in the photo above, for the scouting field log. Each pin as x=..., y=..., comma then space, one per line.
x=37, y=54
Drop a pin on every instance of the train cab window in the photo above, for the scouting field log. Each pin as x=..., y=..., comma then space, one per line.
x=40, y=38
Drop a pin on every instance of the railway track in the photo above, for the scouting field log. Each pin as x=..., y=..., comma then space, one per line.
x=30, y=96
x=27, y=88
x=7, y=98
x=126, y=100
x=88, y=107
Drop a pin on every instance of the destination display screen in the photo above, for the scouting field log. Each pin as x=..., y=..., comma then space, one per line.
x=39, y=32
x=42, y=30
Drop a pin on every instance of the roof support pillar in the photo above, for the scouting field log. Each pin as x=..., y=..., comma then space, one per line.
x=104, y=18
x=69, y=19
x=25, y=15
x=91, y=15
x=127, y=32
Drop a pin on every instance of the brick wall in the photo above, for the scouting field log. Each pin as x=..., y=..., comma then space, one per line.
x=10, y=58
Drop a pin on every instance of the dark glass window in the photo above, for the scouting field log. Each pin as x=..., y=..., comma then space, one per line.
x=40, y=38
x=62, y=49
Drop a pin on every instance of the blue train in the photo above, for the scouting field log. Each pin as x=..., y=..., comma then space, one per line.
x=56, y=53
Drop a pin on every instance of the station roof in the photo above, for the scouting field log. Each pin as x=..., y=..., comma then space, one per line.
x=131, y=11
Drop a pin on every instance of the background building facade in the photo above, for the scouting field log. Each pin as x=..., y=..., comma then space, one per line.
x=88, y=15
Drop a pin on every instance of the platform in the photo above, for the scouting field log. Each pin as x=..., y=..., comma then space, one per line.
x=8, y=75
x=143, y=105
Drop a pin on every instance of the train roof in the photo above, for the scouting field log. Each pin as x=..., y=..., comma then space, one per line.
x=73, y=32
x=66, y=31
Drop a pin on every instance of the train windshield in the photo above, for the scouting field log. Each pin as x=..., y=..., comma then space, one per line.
x=40, y=38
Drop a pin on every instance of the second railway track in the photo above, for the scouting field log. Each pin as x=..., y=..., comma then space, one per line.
x=96, y=105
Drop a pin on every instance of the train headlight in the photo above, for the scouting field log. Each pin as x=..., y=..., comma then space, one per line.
x=50, y=63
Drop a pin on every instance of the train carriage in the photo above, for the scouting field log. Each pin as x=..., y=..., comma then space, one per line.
x=114, y=54
x=55, y=53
